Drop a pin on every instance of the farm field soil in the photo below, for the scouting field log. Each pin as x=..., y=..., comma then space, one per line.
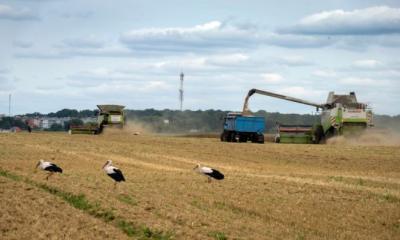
x=271, y=191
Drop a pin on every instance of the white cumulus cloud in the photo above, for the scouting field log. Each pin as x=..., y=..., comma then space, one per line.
x=272, y=77
x=368, y=21
x=367, y=63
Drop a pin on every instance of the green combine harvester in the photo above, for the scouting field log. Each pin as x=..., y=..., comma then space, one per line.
x=109, y=115
x=341, y=115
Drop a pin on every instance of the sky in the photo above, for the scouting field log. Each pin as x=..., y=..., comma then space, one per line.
x=80, y=53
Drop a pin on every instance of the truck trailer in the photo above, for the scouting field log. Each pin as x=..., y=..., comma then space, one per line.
x=240, y=128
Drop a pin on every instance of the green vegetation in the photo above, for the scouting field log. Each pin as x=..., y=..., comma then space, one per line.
x=9, y=122
x=127, y=199
x=218, y=235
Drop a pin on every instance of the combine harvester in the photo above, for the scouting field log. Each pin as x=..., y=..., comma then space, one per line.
x=109, y=115
x=341, y=115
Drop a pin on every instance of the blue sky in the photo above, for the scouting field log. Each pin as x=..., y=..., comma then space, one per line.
x=77, y=54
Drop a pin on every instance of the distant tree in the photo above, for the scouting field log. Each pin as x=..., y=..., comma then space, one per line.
x=56, y=127
x=67, y=113
x=87, y=113
x=9, y=122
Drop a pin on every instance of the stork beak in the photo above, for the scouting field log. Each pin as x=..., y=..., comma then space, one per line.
x=37, y=165
x=105, y=165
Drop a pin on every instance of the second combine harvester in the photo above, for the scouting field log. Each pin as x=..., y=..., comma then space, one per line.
x=341, y=115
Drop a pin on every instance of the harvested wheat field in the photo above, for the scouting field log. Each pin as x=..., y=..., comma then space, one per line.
x=271, y=191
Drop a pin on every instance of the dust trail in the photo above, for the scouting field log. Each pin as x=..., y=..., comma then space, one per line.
x=372, y=137
x=137, y=127
x=131, y=127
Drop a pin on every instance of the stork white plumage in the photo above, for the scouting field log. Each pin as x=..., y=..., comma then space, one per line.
x=113, y=172
x=48, y=166
x=209, y=172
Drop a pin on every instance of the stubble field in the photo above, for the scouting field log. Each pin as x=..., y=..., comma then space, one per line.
x=271, y=191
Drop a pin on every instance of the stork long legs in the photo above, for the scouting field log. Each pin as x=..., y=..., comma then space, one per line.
x=209, y=180
x=49, y=175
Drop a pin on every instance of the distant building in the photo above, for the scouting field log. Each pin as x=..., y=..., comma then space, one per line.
x=46, y=122
x=89, y=119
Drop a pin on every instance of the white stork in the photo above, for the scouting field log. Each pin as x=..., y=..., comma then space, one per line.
x=48, y=166
x=209, y=172
x=113, y=172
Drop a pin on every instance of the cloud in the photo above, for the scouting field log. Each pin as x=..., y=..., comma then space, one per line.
x=81, y=15
x=227, y=59
x=368, y=21
x=85, y=42
x=22, y=44
x=85, y=50
x=325, y=73
x=97, y=76
x=301, y=92
x=10, y=13
x=272, y=77
x=368, y=64
x=294, y=61
x=363, y=82
x=208, y=36
x=213, y=36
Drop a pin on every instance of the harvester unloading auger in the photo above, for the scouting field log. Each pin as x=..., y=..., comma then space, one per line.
x=341, y=114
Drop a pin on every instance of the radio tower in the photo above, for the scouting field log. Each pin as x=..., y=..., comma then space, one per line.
x=181, y=90
x=9, y=105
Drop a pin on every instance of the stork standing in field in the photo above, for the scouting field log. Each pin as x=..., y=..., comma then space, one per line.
x=209, y=172
x=113, y=172
x=48, y=166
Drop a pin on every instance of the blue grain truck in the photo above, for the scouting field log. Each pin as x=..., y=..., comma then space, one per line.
x=240, y=128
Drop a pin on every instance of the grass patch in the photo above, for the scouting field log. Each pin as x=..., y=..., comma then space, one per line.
x=360, y=182
x=80, y=202
x=218, y=235
x=127, y=199
x=10, y=175
x=336, y=178
x=127, y=228
x=390, y=198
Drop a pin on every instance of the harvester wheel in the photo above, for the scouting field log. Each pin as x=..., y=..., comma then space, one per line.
x=319, y=134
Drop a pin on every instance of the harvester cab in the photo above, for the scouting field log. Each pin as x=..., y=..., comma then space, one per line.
x=110, y=115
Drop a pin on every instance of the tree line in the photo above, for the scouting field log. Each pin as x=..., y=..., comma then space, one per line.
x=174, y=121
